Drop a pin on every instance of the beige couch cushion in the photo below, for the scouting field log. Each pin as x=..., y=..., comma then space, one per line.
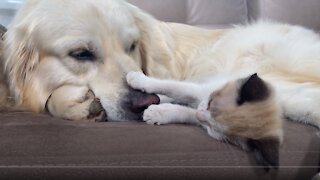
x=195, y=12
x=32, y=145
x=218, y=12
x=165, y=10
x=222, y=13
x=301, y=12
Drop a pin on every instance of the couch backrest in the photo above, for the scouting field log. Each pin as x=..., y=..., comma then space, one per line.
x=212, y=13
x=223, y=13
x=217, y=13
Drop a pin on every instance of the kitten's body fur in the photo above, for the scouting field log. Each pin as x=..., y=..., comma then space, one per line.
x=241, y=111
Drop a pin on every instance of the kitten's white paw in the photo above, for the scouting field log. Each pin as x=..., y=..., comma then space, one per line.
x=203, y=115
x=157, y=114
x=136, y=80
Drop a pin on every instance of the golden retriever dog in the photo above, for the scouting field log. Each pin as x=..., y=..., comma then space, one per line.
x=71, y=58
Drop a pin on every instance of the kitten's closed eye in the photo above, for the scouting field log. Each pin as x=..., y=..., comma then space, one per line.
x=203, y=105
x=209, y=103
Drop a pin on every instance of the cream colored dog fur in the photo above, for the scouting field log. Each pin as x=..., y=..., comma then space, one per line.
x=63, y=49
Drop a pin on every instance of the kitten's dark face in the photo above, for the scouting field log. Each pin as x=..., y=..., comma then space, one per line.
x=244, y=111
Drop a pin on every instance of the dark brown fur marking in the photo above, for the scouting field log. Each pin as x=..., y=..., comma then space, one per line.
x=254, y=89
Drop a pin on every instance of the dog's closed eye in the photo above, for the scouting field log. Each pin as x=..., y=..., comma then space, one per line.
x=132, y=47
x=82, y=55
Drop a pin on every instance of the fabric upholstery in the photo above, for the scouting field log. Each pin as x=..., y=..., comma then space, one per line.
x=298, y=12
x=166, y=10
x=32, y=144
x=194, y=12
x=210, y=12
x=42, y=147
x=6, y=16
x=223, y=13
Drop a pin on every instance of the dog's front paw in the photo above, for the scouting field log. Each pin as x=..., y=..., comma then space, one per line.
x=89, y=109
x=157, y=114
x=76, y=104
x=96, y=111
x=136, y=80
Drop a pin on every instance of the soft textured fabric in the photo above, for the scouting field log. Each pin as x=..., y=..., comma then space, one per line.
x=195, y=12
x=167, y=10
x=213, y=13
x=40, y=146
x=218, y=12
x=222, y=13
x=36, y=144
x=305, y=13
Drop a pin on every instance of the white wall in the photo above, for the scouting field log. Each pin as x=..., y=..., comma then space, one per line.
x=7, y=10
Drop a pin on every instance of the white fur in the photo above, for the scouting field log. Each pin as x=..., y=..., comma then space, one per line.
x=44, y=32
x=193, y=95
x=69, y=107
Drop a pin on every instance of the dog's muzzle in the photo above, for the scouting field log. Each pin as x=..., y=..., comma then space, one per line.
x=135, y=102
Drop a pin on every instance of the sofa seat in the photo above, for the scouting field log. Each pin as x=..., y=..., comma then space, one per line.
x=38, y=146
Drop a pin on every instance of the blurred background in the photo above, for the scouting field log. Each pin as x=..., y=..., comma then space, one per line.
x=214, y=13
x=7, y=10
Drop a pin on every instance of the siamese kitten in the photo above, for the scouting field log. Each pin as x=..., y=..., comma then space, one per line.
x=242, y=111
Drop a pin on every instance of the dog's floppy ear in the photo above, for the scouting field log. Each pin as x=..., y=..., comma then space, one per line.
x=144, y=55
x=265, y=151
x=21, y=60
x=143, y=21
x=154, y=41
x=3, y=30
x=27, y=56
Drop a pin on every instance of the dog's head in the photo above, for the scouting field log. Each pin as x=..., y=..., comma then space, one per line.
x=84, y=42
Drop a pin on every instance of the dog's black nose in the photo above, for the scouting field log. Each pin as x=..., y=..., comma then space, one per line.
x=135, y=102
x=142, y=101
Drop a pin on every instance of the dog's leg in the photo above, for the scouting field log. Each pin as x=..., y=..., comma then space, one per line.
x=75, y=103
x=169, y=113
x=181, y=92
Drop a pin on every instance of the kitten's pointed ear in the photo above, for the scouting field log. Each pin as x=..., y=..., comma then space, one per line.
x=265, y=151
x=253, y=89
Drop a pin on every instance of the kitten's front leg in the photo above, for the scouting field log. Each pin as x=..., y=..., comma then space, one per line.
x=182, y=92
x=138, y=80
x=169, y=113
